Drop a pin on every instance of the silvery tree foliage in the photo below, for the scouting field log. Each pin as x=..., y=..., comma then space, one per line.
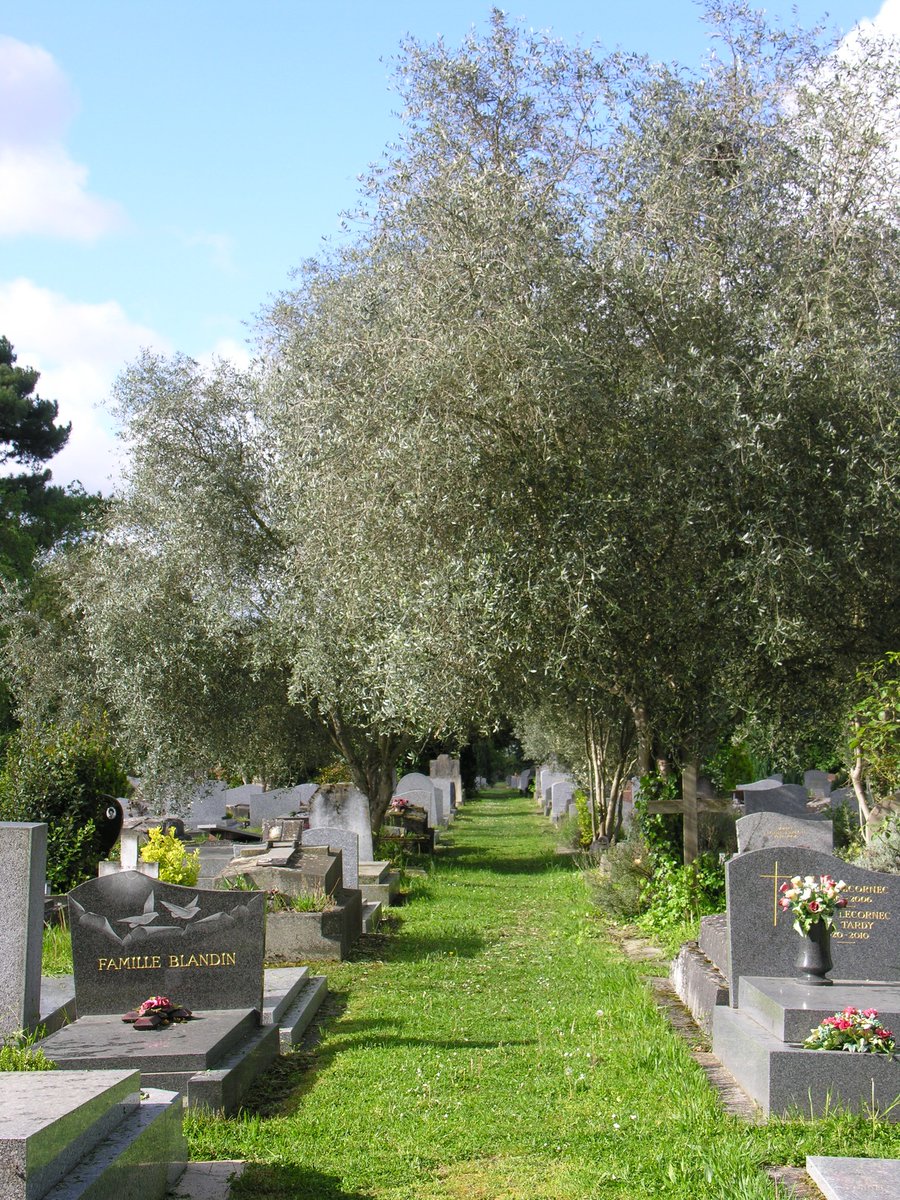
x=594, y=408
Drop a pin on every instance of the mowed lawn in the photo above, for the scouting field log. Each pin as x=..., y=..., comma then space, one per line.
x=494, y=1044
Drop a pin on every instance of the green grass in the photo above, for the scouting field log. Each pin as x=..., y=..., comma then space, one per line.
x=495, y=1045
x=56, y=956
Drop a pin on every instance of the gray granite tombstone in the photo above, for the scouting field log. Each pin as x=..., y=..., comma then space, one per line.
x=23, y=871
x=344, y=840
x=817, y=782
x=790, y=800
x=761, y=941
x=134, y=937
x=344, y=806
x=561, y=794
x=419, y=789
x=207, y=805
x=763, y=829
x=847, y=797
x=760, y=785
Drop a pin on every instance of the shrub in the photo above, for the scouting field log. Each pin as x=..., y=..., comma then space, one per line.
x=336, y=772
x=18, y=1053
x=883, y=852
x=63, y=776
x=681, y=894
x=619, y=881
x=176, y=864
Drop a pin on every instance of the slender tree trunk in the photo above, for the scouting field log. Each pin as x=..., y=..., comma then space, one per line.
x=371, y=759
x=644, y=739
x=857, y=780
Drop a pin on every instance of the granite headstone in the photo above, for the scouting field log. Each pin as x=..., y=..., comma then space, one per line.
x=790, y=800
x=344, y=806
x=561, y=795
x=762, y=829
x=761, y=941
x=134, y=937
x=338, y=839
x=23, y=870
x=817, y=782
x=420, y=790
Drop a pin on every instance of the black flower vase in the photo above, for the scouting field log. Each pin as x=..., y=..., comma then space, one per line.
x=814, y=960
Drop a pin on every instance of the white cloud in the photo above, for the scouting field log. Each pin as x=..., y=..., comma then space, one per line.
x=219, y=245
x=227, y=348
x=79, y=349
x=42, y=189
x=888, y=19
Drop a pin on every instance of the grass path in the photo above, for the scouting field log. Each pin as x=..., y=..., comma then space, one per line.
x=495, y=1046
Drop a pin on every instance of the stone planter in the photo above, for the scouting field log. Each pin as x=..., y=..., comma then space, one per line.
x=302, y=936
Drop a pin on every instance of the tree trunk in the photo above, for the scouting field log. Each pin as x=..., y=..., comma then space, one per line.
x=644, y=739
x=371, y=759
x=857, y=779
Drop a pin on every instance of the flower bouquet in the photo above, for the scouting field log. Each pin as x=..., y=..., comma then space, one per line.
x=812, y=900
x=851, y=1029
x=156, y=1012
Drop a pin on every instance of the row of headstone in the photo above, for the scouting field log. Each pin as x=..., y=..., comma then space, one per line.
x=521, y=781
x=212, y=800
x=554, y=792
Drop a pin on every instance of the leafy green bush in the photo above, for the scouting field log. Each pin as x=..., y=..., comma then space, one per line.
x=176, y=864
x=18, y=1053
x=619, y=881
x=680, y=894
x=63, y=776
x=883, y=852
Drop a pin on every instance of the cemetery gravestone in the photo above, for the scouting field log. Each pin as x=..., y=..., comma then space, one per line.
x=207, y=806
x=23, y=868
x=338, y=839
x=817, y=782
x=763, y=829
x=561, y=794
x=134, y=937
x=344, y=806
x=761, y=941
x=790, y=800
x=418, y=789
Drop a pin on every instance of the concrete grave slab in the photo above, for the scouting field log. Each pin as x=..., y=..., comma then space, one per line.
x=855, y=1178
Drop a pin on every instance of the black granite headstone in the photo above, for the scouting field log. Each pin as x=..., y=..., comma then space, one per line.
x=865, y=944
x=134, y=937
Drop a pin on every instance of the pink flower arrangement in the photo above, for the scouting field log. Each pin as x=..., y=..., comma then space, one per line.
x=852, y=1029
x=811, y=900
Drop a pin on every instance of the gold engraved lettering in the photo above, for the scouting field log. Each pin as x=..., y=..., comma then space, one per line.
x=212, y=958
x=133, y=962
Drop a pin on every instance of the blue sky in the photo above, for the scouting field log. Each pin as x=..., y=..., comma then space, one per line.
x=163, y=166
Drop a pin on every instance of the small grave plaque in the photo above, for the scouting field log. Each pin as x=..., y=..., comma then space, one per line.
x=134, y=937
x=763, y=829
x=761, y=940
